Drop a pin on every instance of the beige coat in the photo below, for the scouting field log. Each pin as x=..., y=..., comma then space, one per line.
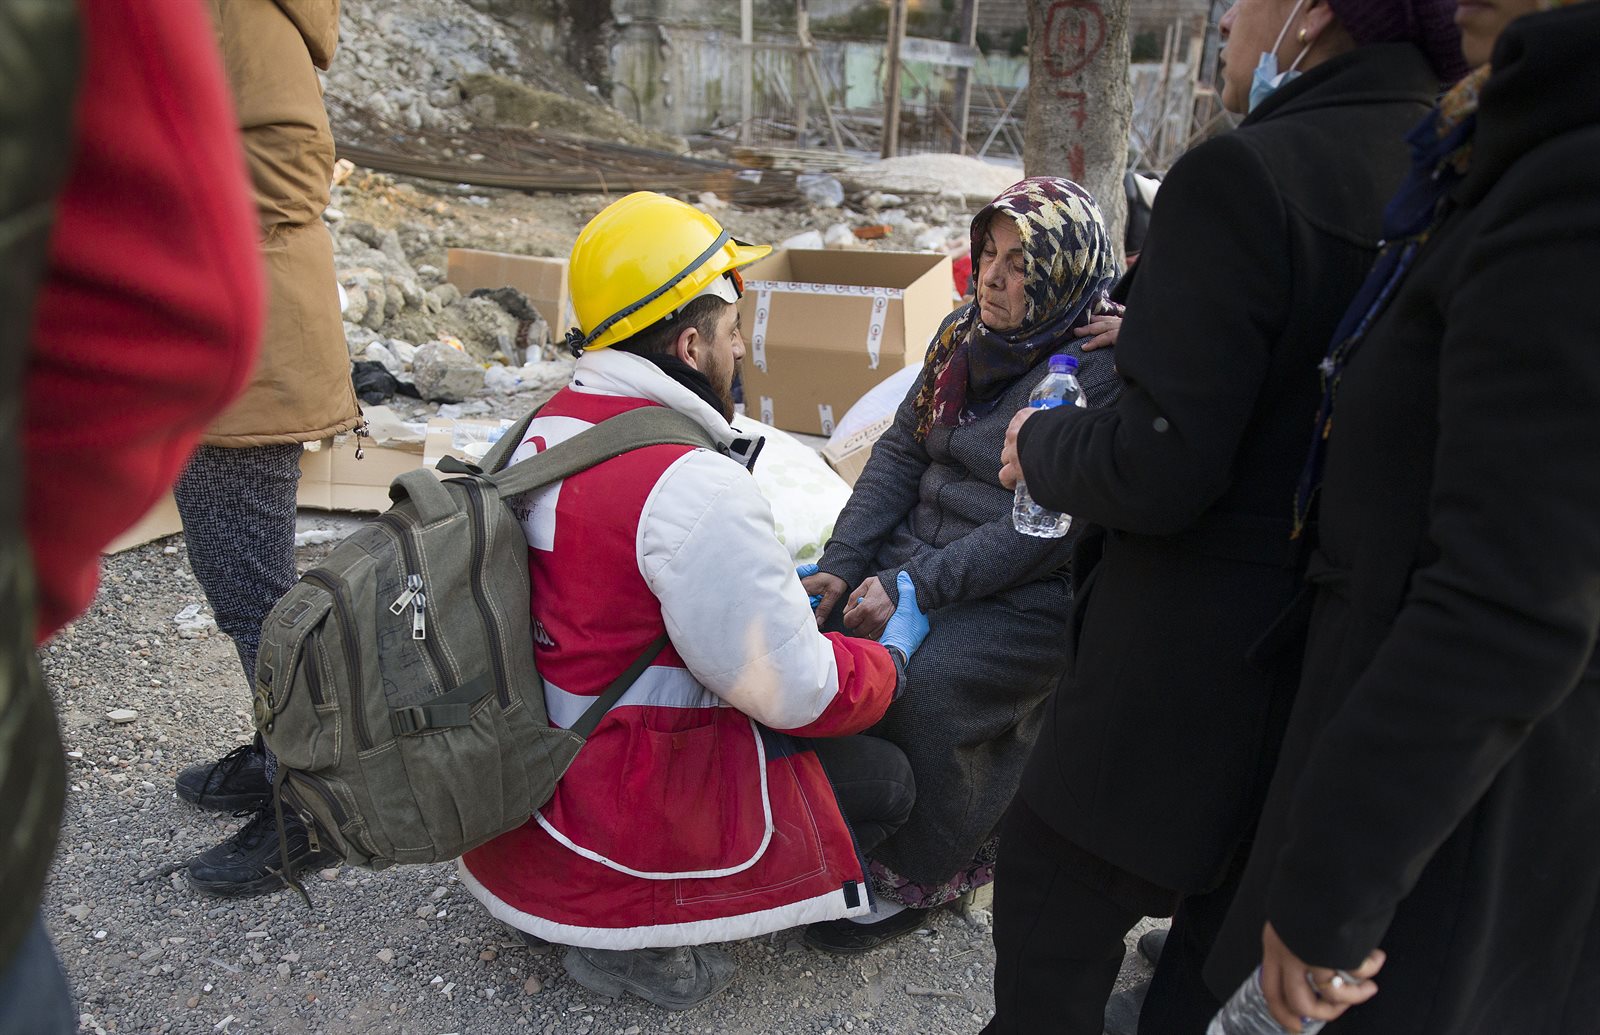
x=301, y=389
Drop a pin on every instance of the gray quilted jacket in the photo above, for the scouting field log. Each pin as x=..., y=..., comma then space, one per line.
x=937, y=509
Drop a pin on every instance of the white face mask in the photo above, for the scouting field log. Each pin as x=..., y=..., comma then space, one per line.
x=1267, y=78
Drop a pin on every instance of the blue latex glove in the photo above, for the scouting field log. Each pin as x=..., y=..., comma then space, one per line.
x=908, y=626
x=806, y=571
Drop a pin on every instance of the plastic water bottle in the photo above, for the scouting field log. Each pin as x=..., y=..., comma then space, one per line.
x=1059, y=388
x=1246, y=1013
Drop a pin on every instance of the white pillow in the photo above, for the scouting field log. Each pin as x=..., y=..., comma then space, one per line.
x=806, y=496
x=881, y=400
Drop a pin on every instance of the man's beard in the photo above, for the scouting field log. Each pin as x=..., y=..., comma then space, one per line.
x=722, y=388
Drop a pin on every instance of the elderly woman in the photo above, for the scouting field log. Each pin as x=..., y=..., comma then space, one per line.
x=1439, y=796
x=929, y=502
x=1152, y=764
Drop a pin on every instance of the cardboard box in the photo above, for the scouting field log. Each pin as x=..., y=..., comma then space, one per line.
x=848, y=457
x=161, y=521
x=823, y=327
x=544, y=281
x=463, y=438
x=331, y=478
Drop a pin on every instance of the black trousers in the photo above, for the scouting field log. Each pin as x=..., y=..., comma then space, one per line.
x=873, y=783
x=1060, y=916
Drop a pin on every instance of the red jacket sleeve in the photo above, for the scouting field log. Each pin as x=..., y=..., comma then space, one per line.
x=868, y=683
x=148, y=320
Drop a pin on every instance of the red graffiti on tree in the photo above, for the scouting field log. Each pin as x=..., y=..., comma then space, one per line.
x=1077, y=167
x=1077, y=105
x=1074, y=32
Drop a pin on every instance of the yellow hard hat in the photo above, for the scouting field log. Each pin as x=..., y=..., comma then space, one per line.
x=641, y=259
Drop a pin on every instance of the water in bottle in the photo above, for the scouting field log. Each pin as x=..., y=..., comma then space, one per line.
x=1246, y=1013
x=1059, y=388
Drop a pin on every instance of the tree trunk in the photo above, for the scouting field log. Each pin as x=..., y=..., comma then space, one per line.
x=1079, y=101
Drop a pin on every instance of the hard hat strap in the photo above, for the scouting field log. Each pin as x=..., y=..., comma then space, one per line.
x=624, y=313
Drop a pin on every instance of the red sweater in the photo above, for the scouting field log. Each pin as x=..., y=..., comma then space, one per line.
x=148, y=320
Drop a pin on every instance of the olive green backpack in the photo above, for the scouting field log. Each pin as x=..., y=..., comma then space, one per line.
x=396, y=681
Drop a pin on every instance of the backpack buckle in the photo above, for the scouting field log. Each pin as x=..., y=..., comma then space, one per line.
x=406, y=721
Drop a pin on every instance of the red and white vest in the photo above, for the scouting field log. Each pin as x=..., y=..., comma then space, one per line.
x=694, y=813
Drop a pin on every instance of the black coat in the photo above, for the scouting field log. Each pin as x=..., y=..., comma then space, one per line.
x=1440, y=786
x=1157, y=747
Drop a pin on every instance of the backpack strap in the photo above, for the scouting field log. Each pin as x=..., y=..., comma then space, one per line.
x=613, y=693
x=634, y=429
x=500, y=453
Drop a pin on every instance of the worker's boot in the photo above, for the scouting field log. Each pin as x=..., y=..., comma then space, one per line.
x=673, y=979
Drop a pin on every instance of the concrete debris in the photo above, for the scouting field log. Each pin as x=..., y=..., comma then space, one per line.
x=544, y=377
x=122, y=716
x=839, y=236
x=820, y=189
x=444, y=374
x=972, y=180
x=810, y=240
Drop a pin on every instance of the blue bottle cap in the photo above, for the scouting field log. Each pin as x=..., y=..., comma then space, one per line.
x=1063, y=364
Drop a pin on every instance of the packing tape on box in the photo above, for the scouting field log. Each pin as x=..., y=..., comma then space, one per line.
x=825, y=418
x=765, y=289
x=758, y=334
x=766, y=409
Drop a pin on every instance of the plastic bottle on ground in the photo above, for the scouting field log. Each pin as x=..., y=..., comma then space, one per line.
x=1059, y=388
x=1246, y=1013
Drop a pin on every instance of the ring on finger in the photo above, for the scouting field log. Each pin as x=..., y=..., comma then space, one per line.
x=1339, y=979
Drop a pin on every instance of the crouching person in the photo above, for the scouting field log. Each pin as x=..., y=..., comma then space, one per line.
x=727, y=793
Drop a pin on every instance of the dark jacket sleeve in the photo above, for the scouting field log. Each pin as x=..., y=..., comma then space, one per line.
x=1210, y=299
x=884, y=494
x=995, y=557
x=1495, y=633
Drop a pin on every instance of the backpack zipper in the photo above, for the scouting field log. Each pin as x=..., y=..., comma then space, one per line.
x=419, y=600
x=352, y=658
x=413, y=587
x=479, y=554
x=313, y=666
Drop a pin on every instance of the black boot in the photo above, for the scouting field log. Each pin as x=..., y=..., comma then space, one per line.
x=1151, y=943
x=847, y=938
x=1122, y=1010
x=236, y=782
x=248, y=863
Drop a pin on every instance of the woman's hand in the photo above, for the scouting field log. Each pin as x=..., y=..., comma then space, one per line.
x=1010, y=466
x=1296, y=991
x=868, y=609
x=823, y=588
x=1101, y=332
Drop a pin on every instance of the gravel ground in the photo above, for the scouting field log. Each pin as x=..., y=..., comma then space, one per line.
x=405, y=951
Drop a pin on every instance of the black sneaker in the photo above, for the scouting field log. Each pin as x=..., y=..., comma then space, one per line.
x=248, y=863
x=236, y=782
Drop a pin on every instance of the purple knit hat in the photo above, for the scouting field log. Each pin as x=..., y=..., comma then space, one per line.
x=1430, y=24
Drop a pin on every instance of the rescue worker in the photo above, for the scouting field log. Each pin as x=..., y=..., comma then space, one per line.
x=728, y=793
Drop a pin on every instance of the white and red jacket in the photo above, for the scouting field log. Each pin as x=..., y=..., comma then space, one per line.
x=694, y=813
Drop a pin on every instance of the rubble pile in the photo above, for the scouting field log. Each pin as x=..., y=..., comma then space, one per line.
x=437, y=346
x=404, y=62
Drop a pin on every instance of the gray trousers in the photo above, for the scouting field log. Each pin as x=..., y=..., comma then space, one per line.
x=238, y=510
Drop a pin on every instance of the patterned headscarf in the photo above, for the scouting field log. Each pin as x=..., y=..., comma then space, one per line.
x=1068, y=267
